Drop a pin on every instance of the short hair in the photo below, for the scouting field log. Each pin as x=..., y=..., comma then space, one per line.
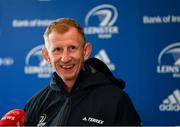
x=62, y=25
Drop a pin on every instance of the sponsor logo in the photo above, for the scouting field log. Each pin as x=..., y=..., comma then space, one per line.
x=35, y=64
x=6, y=61
x=172, y=102
x=169, y=60
x=104, y=27
x=93, y=120
x=8, y=118
x=17, y=23
x=102, y=55
x=42, y=119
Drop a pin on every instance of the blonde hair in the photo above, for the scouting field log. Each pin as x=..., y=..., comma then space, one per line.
x=62, y=25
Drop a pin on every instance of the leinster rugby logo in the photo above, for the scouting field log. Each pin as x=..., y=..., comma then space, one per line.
x=100, y=20
x=35, y=64
x=169, y=60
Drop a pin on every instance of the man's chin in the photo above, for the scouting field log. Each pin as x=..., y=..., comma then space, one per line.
x=69, y=78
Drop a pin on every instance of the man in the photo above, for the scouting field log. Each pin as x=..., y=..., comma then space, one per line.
x=82, y=91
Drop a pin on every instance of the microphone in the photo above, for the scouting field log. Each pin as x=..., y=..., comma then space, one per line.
x=15, y=117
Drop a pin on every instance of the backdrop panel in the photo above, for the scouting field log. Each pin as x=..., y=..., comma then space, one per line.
x=139, y=42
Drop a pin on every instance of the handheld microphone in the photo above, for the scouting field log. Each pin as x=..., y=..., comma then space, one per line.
x=15, y=117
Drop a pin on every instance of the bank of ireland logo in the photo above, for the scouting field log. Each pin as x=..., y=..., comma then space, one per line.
x=35, y=64
x=100, y=21
x=169, y=60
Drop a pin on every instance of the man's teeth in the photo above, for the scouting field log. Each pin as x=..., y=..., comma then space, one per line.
x=67, y=66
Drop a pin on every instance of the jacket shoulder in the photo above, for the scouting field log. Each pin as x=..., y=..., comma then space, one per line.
x=38, y=96
x=34, y=105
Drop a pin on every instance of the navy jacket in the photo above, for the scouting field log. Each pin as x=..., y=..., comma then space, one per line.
x=97, y=98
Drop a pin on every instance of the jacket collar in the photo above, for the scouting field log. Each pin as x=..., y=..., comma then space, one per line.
x=95, y=73
x=85, y=79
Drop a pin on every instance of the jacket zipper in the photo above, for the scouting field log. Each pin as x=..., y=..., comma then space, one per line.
x=65, y=112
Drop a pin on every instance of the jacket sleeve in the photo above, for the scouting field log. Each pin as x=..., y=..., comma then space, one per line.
x=127, y=114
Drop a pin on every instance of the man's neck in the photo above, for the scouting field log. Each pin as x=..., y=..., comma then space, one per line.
x=69, y=85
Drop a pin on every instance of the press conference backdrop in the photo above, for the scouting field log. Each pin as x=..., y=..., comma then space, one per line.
x=139, y=40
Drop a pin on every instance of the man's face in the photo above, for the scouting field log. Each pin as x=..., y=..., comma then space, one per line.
x=66, y=53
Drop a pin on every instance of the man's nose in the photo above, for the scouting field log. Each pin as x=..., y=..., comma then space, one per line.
x=65, y=56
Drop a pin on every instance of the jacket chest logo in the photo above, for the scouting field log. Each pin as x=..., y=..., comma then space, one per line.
x=42, y=120
x=93, y=120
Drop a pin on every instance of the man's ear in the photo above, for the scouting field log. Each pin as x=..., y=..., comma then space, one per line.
x=46, y=55
x=87, y=50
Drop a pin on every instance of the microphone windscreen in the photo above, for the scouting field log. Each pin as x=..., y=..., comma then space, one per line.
x=15, y=117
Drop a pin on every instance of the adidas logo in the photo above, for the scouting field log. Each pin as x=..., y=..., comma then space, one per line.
x=102, y=55
x=172, y=102
x=84, y=119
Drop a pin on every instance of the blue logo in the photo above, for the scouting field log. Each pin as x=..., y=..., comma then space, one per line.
x=100, y=20
x=169, y=60
x=35, y=64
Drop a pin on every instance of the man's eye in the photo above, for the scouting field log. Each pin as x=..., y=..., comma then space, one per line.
x=57, y=50
x=73, y=48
